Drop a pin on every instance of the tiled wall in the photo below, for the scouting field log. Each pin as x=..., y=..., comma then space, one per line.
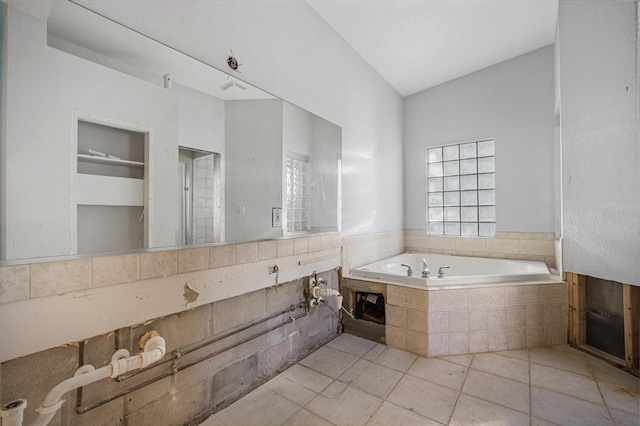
x=203, y=201
x=360, y=250
x=539, y=246
x=187, y=394
x=452, y=322
x=37, y=280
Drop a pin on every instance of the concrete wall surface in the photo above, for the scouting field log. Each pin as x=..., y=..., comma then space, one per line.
x=192, y=392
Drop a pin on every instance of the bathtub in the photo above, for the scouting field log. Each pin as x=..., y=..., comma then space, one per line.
x=463, y=271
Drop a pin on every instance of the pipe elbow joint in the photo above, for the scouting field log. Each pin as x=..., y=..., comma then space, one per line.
x=154, y=351
x=156, y=344
x=325, y=292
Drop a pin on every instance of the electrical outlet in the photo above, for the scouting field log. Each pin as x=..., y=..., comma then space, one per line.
x=276, y=217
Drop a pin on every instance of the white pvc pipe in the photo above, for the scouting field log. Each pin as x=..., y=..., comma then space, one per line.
x=154, y=350
x=11, y=414
x=317, y=292
x=53, y=401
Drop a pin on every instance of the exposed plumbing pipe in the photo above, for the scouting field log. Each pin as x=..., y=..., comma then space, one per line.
x=11, y=414
x=191, y=348
x=175, y=368
x=319, y=293
x=154, y=350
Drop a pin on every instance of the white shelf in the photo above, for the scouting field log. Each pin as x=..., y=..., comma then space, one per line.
x=110, y=161
x=95, y=190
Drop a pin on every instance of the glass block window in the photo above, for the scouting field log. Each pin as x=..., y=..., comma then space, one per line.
x=461, y=194
x=297, y=214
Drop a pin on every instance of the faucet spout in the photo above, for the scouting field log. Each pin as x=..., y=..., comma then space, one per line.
x=425, y=269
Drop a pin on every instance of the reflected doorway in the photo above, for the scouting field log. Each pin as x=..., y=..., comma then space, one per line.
x=200, y=209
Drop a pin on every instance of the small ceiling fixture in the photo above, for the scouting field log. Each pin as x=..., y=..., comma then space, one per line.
x=231, y=84
x=233, y=62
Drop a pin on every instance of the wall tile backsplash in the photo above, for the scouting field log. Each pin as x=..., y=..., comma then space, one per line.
x=360, y=250
x=538, y=246
x=42, y=279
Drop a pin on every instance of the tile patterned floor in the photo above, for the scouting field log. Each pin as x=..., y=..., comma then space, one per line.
x=352, y=381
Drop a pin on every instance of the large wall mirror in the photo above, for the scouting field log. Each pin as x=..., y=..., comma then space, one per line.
x=111, y=141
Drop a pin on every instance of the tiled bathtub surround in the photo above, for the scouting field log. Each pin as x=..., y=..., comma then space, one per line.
x=539, y=246
x=461, y=321
x=42, y=279
x=360, y=250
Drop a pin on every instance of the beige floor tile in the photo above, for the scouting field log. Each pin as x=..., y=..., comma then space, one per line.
x=308, y=378
x=521, y=354
x=351, y=344
x=459, y=359
x=212, y=421
x=607, y=372
x=377, y=380
x=334, y=390
x=328, y=361
x=290, y=390
x=567, y=349
x=271, y=409
x=473, y=411
x=374, y=352
x=353, y=408
x=560, y=360
x=354, y=371
x=506, y=392
x=391, y=415
x=620, y=398
x=305, y=418
x=439, y=371
x=504, y=366
x=396, y=359
x=539, y=422
x=428, y=399
x=566, y=410
x=571, y=384
x=624, y=419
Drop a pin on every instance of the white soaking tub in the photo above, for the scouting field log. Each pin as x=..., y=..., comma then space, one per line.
x=462, y=271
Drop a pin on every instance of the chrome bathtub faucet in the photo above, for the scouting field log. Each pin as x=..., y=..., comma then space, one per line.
x=409, y=270
x=425, y=269
x=441, y=272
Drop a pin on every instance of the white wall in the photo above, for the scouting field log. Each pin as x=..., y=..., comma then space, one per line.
x=600, y=151
x=296, y=130
x=201, y=120
x=253, y=168
x=44, y=88
x=327, y=150
x=511, y=102
x=321, y=141
x=289, y=51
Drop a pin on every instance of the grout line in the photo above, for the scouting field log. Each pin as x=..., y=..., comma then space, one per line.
x=594, y=378
x=530, y=402
x=455, y=404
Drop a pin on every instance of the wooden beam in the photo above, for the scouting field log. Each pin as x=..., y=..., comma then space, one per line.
x=631, y=300
x=571, y=312
x=577, y=308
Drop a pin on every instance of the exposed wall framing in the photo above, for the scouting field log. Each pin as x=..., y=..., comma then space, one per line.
x=577, y=317
x=577, y=308
x=631, y=300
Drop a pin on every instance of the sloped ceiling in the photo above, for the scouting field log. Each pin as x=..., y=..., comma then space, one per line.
x=417, y=44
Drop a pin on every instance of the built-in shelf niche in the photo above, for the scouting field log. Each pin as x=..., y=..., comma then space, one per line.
x=125, y=148
x=110, y=184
